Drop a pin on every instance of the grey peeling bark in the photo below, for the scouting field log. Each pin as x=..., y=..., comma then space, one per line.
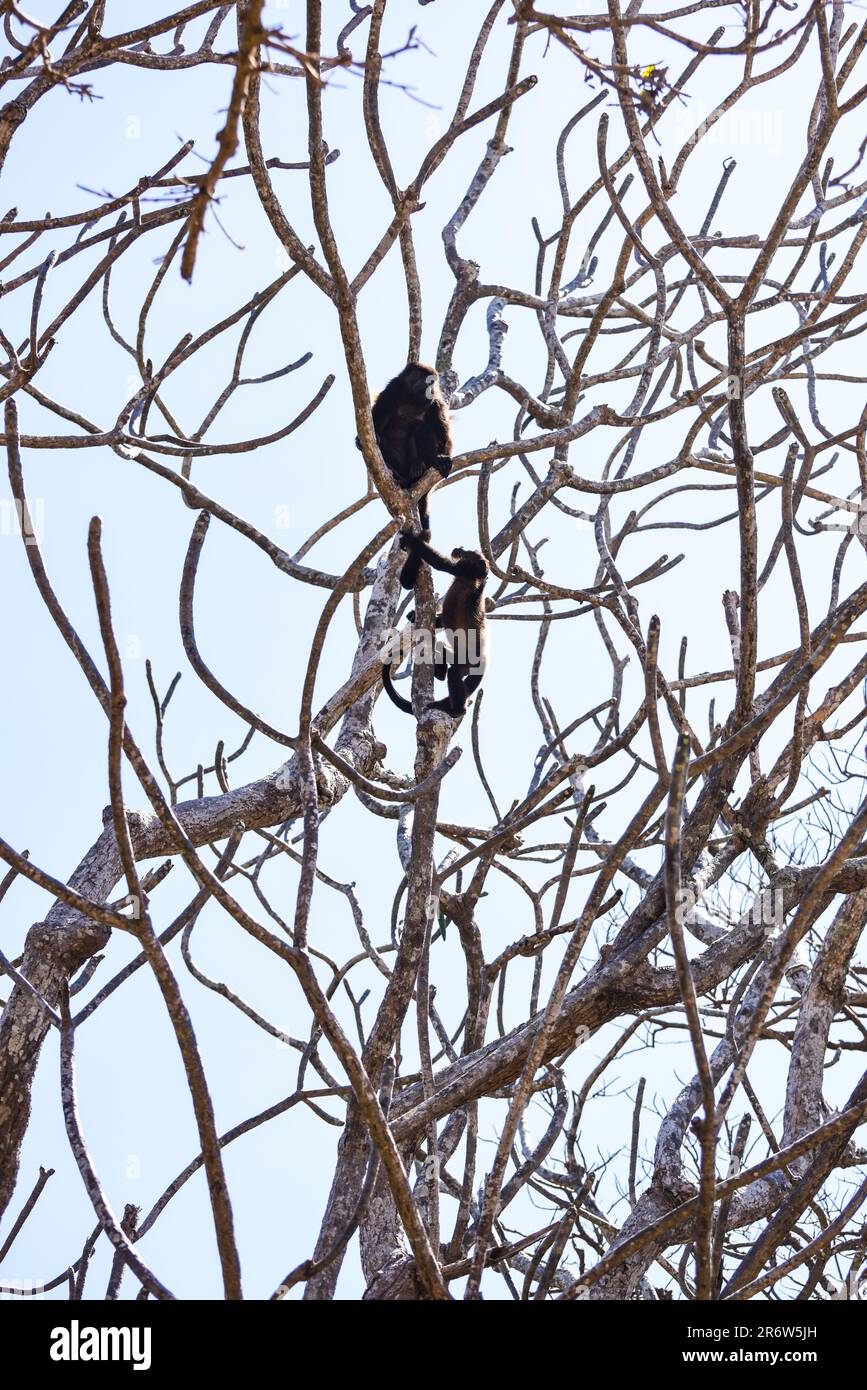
x=434, y=731
x=821, y=1003
x=54, y=950
x=712, y=799
x=12, y=116
x=396, y=1282
x=670, y=1187
x=623, y=985
x=821, y=1163
x=743, y=457
x=623, y=1282
x=58, y=947
x=754, y=1192
x=386, y=1259
x=381, y=1239
x=15, y=112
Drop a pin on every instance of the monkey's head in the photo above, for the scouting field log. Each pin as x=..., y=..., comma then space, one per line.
x=421, y=381
x=471, y=564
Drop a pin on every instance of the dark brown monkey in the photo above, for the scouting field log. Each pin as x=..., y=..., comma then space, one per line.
x=462, y=618
x=411, y=420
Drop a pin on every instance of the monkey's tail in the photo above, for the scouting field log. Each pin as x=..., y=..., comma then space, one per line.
x=392, y=693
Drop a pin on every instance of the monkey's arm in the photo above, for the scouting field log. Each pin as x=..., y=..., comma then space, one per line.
x=433, y=557
x=382, y=411
x=383, y=408
x=420, y=550
x=433, y=441
x=437, y=422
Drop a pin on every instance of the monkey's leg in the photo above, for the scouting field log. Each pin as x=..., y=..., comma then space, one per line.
x=409, y=573
x=393, y=459
x=444, y=650
x=461, y=687
x=424, y=517
x=455, y=702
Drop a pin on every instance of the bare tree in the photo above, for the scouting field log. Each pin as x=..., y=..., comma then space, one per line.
x=681, y=859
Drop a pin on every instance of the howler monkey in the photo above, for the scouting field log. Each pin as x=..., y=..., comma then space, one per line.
x=411, y=420
x=462, y=618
